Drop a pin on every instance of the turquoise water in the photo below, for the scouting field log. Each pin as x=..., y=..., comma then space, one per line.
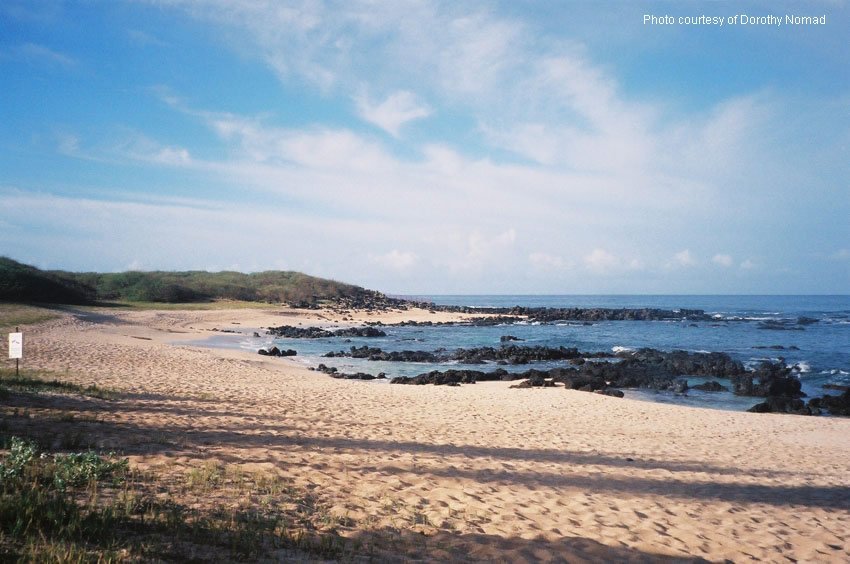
x=821, y=350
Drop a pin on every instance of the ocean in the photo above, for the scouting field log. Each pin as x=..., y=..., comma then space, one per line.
x=749, y=328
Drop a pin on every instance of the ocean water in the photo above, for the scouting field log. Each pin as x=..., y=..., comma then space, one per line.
x=820, y=350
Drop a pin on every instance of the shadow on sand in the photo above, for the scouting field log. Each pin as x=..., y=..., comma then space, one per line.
x=239, y=441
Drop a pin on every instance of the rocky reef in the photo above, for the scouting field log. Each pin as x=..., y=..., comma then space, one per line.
x=290, y=332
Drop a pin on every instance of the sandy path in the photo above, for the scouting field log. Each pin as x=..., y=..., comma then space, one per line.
x=486, y=473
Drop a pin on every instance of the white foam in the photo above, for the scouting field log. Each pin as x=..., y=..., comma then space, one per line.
x=619, y=349
x=803, y=366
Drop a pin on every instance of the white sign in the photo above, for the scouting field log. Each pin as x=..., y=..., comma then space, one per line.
x=16, y=345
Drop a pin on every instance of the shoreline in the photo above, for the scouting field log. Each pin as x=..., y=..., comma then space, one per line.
x=479, y=472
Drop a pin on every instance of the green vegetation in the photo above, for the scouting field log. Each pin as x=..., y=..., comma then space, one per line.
x=26, y=284
x=90, y=507
x=192, y=306
x=62, y=504
x=94, y=507
x=12, y=315
x=43, y=381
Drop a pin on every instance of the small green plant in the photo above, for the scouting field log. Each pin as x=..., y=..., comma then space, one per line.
x=90, y=507
x=21, y=452
x=78, y=469
x=38, y=500
x=208, y=476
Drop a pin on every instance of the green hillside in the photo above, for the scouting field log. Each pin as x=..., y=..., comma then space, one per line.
x=23, y=283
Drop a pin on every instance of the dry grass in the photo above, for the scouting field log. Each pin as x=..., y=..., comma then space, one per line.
x=188, y=306
x=12, y=315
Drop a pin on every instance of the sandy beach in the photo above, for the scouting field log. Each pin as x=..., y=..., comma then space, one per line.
x=477, y=472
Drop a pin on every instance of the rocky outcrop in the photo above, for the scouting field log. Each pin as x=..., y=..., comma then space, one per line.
x=376, y=354
x=274, y=351
x=836, y=405
x=683, y=363
x=449, y=377
x=779, y=325
x=712, y=386
x=510, y=354
x=509, y=315
x=781, y=404
x=513, y=354
x=290, y=332
x=334, y=373
x=769, y=379
x=550, y=314
x=535, y=381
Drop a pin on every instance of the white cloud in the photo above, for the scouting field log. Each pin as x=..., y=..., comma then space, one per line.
x=177, y=235
x=722, y=260
x=684, y=258
x=390, y=115
x=482, y=248
x=172, y=155
x=636, y=264
x=598, y=169
x=747, y=264
x=68, y=145
x=600, y=260
x=395, y=260
x=139, y=147
x=545, y=261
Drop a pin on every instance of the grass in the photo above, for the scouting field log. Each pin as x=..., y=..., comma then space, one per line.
x=24, y=283
x=35, y=381
x=40, y=516
x=93, y=507
x=61, y=501
x=12, y=315
x=190, y=306
x=66, y=505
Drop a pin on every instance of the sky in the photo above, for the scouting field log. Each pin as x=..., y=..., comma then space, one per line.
x=427, y=147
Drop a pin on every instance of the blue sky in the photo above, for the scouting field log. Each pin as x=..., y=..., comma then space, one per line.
x=431, y=147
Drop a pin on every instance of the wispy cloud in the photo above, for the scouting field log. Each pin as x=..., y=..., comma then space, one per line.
x=36, y=53
x=722, y=260
x=511, y=146
x=395, y=260
x=600, y=260
x=145, y=39
x=396, y=110
x=546, y=261
x=684, y=259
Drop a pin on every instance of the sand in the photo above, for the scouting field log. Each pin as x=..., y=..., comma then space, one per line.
x=477, y=472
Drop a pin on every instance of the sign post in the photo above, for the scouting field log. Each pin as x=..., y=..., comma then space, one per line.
x=16, y=349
